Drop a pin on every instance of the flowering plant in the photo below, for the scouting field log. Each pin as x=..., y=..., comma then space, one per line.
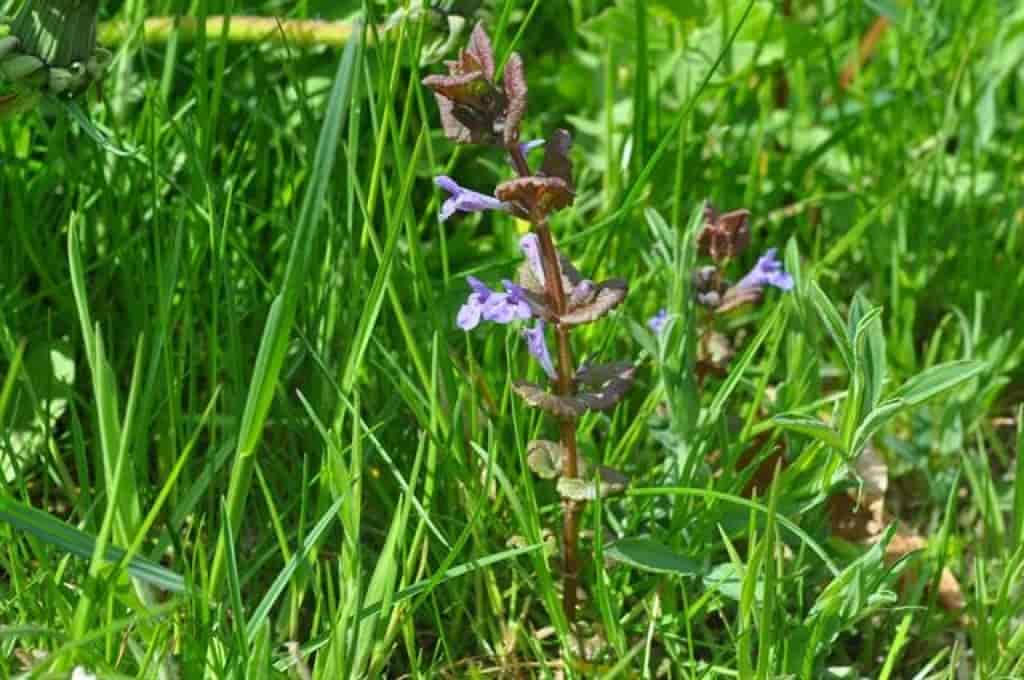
x=724, y=237
x=548, y=290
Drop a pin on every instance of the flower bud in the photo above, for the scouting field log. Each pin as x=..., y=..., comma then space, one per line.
x=474, y=109
x=724, y=236
x=708, y=286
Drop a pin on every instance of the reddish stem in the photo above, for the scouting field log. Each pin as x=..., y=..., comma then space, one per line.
x=566, y=387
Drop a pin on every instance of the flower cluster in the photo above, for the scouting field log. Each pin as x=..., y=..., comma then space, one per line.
x=474, y=109
x=50, y=49
x=477, y=109
x=506, y=307
x=724, y=237
x=528, y=299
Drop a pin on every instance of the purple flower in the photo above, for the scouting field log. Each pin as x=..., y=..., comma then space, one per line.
x=471, y=312
x=464, y=200
x=488, y=305
x=538, y=347
x=507, y=307
x=657, y=322
x=767, y=272
x=530, y=245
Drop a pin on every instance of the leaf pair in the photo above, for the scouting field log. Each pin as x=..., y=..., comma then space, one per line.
x=546, y=459
x=603, y=385
x=586, y=301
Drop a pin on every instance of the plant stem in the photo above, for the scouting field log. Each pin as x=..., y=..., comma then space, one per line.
x=567, y=426
x=565, y=386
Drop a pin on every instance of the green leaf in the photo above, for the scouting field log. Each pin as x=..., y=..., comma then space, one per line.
x=833, y=323
x=280, y=322
x=741, y=365
x=259, y=615
x=874, y=421
x=727, y=580
x=647, y=554
x=810, y=426
x=869, y=350
x=936, y=379
x=1017, y=526
x=49, y=529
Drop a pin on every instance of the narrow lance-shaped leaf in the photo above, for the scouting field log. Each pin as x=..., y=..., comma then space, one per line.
x=647, y=554
x=49, y=529
x=833, y=323
x=937, y=379
x=810, y=426
x=869, y=353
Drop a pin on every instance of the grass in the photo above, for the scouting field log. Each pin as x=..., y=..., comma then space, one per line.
x=236, y=414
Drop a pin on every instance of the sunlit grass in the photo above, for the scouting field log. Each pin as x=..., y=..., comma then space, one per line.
x=236, y=413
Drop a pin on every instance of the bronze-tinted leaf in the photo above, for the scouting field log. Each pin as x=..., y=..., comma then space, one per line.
x=538, y=397
x=582, y=293
x=724, y=235
x=708, y=286
x=607, y=396
x=706, y=278
x=458, y=87
x=581, y=489
x=538, y=304
x=514, y=82
x=453, y=127
x=596, y=375
x=545, y=458
x=535, y=198
x=481, y=50
x=710, y=213
x=736, y=297
x=711, y=299
x=471, y=106
x=471, y=90
x=556, y=157
x=610, y=295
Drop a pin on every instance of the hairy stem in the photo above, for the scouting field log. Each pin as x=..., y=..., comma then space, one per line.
x=565, y=386
x=567, y=426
